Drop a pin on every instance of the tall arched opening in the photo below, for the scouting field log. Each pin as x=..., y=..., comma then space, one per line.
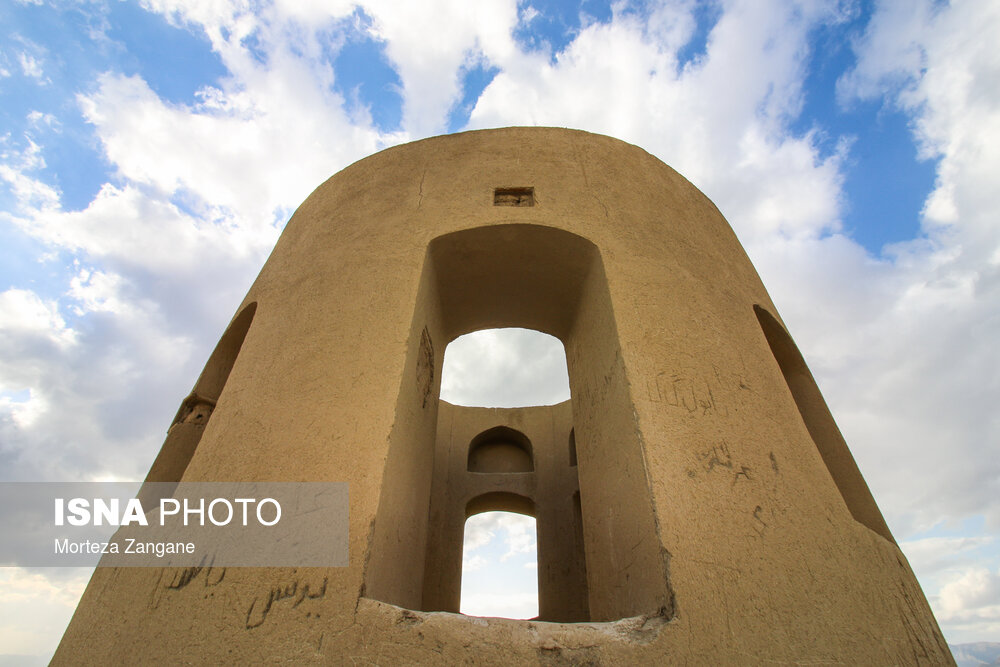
x=499, y=557
x=553, y=281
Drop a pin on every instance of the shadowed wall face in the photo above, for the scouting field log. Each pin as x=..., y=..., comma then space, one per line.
x=500, y=450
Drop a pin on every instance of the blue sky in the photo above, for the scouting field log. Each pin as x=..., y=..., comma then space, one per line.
x=148, y=149
x=884, y=188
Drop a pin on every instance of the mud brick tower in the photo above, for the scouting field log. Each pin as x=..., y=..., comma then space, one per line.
x=695, y=501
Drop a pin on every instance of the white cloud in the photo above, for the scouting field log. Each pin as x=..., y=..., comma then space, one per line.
x=932, y=554
x=430, y=42
x=34, y=608
x=24, y=312
x=726, y=133
x=30, y=65
x=252, y=153
x=516, y=536
x=38, y=120
x=24, y=413
x=520, y=535
x=505, y=368
x=473, y=563
x=479, y=531
x=16, y=169
x=971, y=601
x=931, y=365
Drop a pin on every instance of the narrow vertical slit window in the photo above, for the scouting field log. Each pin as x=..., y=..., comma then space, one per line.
x=196, y=409
x=821, y=426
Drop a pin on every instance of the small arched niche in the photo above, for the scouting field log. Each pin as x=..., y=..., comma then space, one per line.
x=500, y=450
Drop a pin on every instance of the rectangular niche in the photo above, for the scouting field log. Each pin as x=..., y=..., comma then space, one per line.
x=514, y=197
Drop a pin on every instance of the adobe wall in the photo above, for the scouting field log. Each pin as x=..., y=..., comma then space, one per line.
x=724, y=521
x=466, y=484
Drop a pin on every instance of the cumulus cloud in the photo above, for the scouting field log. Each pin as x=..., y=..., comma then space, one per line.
x=479, y=531
x=18, y=170
x=516, y=532
x=972, y=601
x=947, y=555
x=520, y=535
x=429, y=43
x=24, y=312
x=727, y=133
x=199, y=194
x=505, y=368
x=922, y=386
x=250, y=154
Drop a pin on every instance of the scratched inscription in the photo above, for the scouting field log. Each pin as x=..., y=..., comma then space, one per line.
x=762, y=519
x=719, y=458
x=703, y=396
x=425, y=367
x=184, y=577
x=181, y=578
x=294, y=593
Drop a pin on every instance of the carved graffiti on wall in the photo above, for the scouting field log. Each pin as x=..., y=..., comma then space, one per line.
x=177, y=579
x=295, y=592
x=425, y=367
x=703, y=396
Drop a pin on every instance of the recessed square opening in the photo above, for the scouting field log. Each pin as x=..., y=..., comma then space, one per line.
x=514, y=197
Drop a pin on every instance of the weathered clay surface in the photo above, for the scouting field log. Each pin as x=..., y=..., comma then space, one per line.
x=723, y=519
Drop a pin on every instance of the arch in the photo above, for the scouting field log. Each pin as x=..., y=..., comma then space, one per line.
x=515, y=275
x=500, y=450
x=500, y=575
x=500, y=501
x=550, y=280
x=821, y=426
